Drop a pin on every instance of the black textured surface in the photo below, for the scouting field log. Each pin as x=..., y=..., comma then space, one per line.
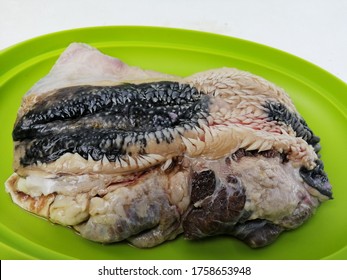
x=280, y=113
x=98, y=121
x=316, y=177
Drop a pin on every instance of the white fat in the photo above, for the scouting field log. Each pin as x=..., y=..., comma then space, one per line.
x=179, y=190
x=273, y=190
x=36, y=185
x=68, y=210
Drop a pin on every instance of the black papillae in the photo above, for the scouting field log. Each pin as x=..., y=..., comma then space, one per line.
x=280, y=113
x=96, y=120
x=316, y=177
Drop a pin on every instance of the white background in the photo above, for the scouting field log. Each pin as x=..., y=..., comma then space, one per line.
x=89, y=270
x=315, y=30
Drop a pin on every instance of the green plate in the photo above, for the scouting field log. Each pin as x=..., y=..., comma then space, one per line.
x=320, y=97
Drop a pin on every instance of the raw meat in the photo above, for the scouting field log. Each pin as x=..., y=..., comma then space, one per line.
x=120, y=153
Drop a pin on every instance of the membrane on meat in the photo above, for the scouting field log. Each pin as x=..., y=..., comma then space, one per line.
x=121, y=153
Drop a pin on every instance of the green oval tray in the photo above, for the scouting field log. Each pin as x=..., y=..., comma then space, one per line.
x=320, y=97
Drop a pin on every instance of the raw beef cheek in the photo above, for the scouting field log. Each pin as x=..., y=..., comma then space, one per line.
x=120, y=153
